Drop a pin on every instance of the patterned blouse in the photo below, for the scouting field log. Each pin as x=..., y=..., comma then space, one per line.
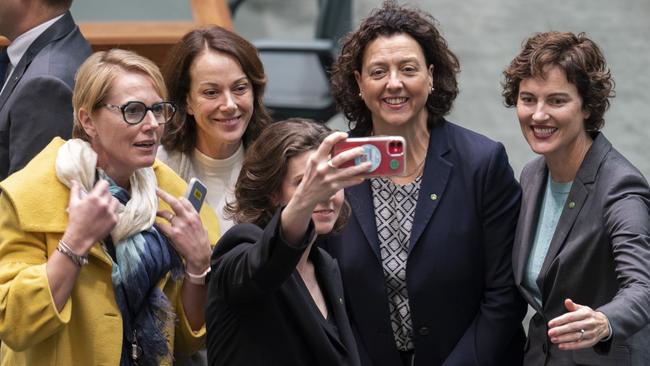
x=394, y=212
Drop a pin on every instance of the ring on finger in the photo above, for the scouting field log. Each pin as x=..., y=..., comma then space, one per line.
x=171, y=217
x=329, y=163
x=582, y=334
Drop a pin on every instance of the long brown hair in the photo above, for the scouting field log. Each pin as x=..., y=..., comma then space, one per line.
x=265, y=168
x=180, y=132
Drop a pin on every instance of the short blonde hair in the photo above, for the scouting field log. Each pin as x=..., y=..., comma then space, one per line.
x=96, y=75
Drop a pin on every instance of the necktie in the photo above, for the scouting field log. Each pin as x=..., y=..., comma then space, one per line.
x=4, y=64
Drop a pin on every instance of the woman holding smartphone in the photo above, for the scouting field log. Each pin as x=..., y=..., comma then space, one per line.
x=582, y=247
x=275, y=297
x=217, y=81
x=426, y=257
x=100, y=263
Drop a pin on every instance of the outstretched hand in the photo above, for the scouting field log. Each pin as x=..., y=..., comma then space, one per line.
x=581, y=327
x=322, y=178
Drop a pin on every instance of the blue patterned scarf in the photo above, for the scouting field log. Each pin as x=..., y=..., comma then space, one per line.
x=140, y=261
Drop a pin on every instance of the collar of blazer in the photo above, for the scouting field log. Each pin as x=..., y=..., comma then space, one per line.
x=593, y=159
x=56, y=31
x=534, y=179
x=435, y=175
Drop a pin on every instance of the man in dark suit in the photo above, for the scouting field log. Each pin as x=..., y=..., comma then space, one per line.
x=36, y=76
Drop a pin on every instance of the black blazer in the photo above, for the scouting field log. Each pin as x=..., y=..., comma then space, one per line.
x=36, y=103
x=257, y=313
x=464, y=305
x=599, y=256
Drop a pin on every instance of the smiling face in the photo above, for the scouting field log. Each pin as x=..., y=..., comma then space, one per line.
x=122, y=148
x=221, y=101
x=395, y=82
x=551, y=115
x=325, y=213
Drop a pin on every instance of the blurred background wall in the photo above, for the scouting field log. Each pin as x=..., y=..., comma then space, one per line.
x=485, y=35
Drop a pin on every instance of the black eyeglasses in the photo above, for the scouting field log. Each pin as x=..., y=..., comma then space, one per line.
x=134, y=112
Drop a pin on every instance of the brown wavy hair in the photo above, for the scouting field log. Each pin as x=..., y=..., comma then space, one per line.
x=265, y=167
x=392, y=19
x=180, y=132
x=581, y=60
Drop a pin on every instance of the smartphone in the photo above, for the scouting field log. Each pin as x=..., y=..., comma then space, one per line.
x=196, y=192
x=386, y=153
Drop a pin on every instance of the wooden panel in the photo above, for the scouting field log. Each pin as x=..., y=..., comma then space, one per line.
x=211, y=12
x=139, y=32
x=152, y=39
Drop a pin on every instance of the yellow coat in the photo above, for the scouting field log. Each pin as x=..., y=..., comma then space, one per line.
x=88, y=330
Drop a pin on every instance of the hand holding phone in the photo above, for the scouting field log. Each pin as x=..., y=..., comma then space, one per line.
x=196, y=192
x=386, y=153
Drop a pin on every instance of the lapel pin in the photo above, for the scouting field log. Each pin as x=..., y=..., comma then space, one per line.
x=434, y=197
x=572, y=204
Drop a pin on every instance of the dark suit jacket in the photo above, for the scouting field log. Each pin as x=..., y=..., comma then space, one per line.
x=464, y=305
x=599, y=256
x=36, y=103
x=258, y=314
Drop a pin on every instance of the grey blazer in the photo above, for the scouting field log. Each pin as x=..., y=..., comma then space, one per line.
x=36, y=103
x=599, y=256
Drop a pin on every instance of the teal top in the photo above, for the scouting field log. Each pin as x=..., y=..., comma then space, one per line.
x=554, y=199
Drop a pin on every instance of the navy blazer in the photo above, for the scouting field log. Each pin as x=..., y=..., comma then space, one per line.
x=36, y=103
x=258, y=311
x=599, y=256
x=464, y=305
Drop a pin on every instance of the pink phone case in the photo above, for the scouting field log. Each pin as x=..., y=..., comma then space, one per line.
x=387, y=154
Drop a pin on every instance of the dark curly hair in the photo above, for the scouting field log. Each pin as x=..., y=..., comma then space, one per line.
x=180, y=132
x=581, y=60
x=265, y=167
x=392, y=19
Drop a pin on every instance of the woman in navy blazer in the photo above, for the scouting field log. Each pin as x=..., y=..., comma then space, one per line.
x=275, y=297
x=426, y=257
x=582, y=246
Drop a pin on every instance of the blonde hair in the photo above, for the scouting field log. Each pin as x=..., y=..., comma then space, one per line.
x=96, y=75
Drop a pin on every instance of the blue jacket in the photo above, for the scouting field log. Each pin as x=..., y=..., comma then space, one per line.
x=464, y=305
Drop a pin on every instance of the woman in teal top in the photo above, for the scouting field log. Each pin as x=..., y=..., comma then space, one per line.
x=555, y=197
x=582, y=246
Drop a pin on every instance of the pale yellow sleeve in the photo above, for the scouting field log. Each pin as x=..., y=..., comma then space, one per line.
x=28, y=314
x=186, y=341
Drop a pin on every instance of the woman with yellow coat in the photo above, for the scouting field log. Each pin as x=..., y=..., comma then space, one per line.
x=90, y=274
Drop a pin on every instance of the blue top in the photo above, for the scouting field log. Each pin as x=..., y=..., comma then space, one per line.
x=554, y=199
